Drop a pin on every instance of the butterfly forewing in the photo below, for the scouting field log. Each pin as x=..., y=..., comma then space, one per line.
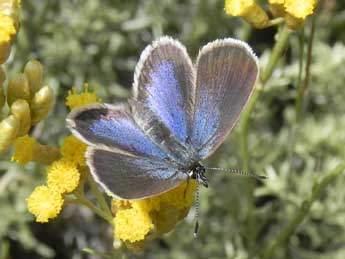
x=129, y=177
x=163, y=82
x=112, y=127
x=226, y=74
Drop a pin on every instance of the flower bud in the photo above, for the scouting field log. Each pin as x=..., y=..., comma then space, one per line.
x=257, y=17
x=278, y=10
x=2, y=97
x=8, y=128
x=2, y=94
x=18, y=88
x=41, y=104
x=34, y=72
x=21, y=110
x=2, y=76
x=5, y=50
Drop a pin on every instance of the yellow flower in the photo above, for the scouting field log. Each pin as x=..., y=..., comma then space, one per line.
x=249, y=10
x=9, y=25
x=63, y=176
x=136, y=220
x=74, y=150
x=277, y=7
x=294, y=11
x=132, y=224
x=7, y=28
x=300, y=9
x=75, y=99
x=44, y=203
x=238, y=7
x=27, y=149
x=23, y=150
x=276, y=1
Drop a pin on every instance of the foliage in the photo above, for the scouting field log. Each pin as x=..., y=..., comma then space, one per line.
x=296, y=139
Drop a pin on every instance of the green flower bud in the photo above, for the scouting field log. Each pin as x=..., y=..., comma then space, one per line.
x=18, y=88
x=21, y=110
x=2, y=97
x=2, y=93
x=2, y=76
x=34, y=72
x=5, y=50
x=8, y=128
x=41, y=104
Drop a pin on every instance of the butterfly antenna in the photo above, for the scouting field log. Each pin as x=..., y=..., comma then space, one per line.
x=196, y=227
x=238, y=172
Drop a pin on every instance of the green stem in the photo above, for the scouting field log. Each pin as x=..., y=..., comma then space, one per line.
x=275, y=22
x=82, y=200
x=246, y=32
x=294, y=126
x=244, y=126
x=304, y=85
x=99, y=196
x=302, y=212
x=276, y=54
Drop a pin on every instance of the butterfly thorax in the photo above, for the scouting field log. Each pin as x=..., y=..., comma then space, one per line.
x=197, y=172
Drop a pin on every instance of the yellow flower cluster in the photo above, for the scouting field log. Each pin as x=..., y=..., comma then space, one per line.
x=139, y=220
x=74, y=150
x=9, y=25
x=249, y=10
x=27, y=149
x=46, y=201
x=294, y=12
x=63, y=174
x=75, y=99
x=24, y=150
x=29, y=102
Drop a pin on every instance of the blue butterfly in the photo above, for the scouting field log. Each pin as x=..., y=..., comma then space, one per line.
x=179, y=114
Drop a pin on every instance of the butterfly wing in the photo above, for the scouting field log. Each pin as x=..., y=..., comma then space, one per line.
x=225, y=78
x=112, y=127
x=130, y=177
x=163, y=86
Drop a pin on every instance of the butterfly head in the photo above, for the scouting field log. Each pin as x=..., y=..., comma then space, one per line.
x=197, y=172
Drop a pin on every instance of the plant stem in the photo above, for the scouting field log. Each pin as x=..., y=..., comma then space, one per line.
x=276, y=54
x=84, y=201
x=274, y=22
x=304, y=85
x=99, y=196
x=303, y=211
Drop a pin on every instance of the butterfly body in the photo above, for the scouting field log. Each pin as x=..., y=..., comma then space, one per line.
x=179, y=114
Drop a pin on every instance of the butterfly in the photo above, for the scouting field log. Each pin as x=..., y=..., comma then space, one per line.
x=179, y=114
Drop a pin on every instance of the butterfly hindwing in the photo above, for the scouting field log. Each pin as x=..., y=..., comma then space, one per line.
x=112, y=127
x=226, y=73
x=129, y=177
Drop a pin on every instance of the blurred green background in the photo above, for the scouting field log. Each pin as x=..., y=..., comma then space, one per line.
x=99, y=42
